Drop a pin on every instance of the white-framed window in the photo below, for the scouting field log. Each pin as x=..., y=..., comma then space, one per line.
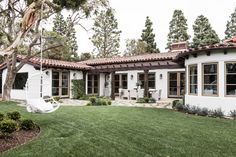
x=230, y=79
x=193, y=79
x=20, y=80
x=210, y=79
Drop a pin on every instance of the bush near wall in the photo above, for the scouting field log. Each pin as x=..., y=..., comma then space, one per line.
x=99, y=101
x=78, y=90
x=195, y=110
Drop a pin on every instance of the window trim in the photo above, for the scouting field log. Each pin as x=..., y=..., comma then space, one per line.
x=93, y=94
x=121, y=81
x=217, y=76
x=189, y=66
x=225, y=81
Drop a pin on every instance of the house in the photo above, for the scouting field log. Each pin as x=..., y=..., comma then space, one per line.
x=205, y=75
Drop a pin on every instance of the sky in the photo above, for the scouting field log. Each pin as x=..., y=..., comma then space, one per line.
x=131, y=15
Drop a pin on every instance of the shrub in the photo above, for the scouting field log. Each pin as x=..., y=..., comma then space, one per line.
x=194, y=110
x=1, y=116
x=89, y=104
x=146, y=99
x=27, y=124
x=98, y=102
x=179, y=106
x=174, y=103
x=217, y=113
x=57, y=98
x=233, y=114
x=203, y=112
x=152, y=100
x=140, y=100
x=92, y=100
x=14, y=115
x=186, y=108
x=8, y=126
x=78, y=90
x=109, y=102
x=103, y=102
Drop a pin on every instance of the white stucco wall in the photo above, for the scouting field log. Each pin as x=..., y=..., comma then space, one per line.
x=211, y=102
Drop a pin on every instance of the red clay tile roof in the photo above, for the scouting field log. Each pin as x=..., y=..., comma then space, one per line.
x=132, y=59
x=229, y=44
x=52, y=63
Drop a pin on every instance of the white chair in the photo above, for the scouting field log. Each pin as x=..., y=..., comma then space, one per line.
x=133, y=94
x=157, y=94
x=140, y=93
x=126, y=94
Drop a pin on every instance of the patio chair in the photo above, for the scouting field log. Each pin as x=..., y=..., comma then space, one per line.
x=125, y=94
x=133, y=94
x=140, y=93
x=157, y=95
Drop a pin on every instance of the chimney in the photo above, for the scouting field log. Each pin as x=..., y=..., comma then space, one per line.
x=178, y=47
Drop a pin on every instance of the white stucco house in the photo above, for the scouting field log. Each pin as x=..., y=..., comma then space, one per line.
x=204, y=76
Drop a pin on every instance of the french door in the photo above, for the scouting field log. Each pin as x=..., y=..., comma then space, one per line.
x=121, y=81
x=60, y=84
x=176, y=84
x=93, y=84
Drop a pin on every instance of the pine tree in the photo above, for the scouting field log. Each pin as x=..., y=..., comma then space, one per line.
x=231, y=26
x=59, y=24
x=178, y=29
x=135, y=47
x=106, y=36
x=71, y=35
x=203, y=33
x=149, y=37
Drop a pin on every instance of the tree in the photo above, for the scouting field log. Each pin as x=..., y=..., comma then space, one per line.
x=19, y=23
x=231, y=26
x=106, y=35
x=203, y=33
x=86, y=56
x=178, y=29
x=65, y=34
x=149, y=37
x=135, y=47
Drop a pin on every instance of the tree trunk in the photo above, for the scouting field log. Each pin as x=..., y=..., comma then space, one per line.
x=10, y=77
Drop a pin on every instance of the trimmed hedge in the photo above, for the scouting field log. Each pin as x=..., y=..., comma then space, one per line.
x=78, y=90
x=8, y=126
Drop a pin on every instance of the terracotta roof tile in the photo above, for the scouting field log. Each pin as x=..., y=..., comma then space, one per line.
x=130, y=59
x=51, y=63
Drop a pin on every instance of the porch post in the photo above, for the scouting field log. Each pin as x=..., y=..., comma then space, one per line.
x=85, y=81
x=113, y=85
x=146, y=83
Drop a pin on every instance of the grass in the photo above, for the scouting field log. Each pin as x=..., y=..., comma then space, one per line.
x=120, y=131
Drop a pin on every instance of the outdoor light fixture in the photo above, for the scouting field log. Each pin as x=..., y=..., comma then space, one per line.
x=161, y=76
x=131, y=77
x=47, y=72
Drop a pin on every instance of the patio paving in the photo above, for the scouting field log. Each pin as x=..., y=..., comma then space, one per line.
x=119, y=102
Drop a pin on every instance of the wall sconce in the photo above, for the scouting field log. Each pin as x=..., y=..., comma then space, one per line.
x=74, y=75
x=47, y=72
x=161, y=76
x=131, y=77
x=107, y=77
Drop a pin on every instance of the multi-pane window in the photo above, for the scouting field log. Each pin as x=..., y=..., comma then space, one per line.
x=93, y=84
x=151, y=80
x=193, y=87
x=210, y=79
x=121, y=81
x=20, y=80
x=230, y=79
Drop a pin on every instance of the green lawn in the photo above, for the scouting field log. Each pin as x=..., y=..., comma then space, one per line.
x=121, y=131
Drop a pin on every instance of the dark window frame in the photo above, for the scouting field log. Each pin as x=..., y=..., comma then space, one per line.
x=20, y=81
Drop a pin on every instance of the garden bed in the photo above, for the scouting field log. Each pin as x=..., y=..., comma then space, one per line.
x=18, y=138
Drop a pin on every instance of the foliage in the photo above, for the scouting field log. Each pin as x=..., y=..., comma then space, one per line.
x=86, y=56
x=231, y=26
x=1, y=116
x=178, y=29
x=203, y=112
x=8, y=126
x=63, y=33
x=174, y=103
x=217, y=113
x=27, y=124
x=100, y=101
x=135, y=47
x=93, y=100
x=78, y=90
x=180, y=107
x=106, y=36
x=14, y=115
x=203, y=33
x=193, y=109
x=149, y=37
x=57, y=98
x=152, y=100
x=146, y=99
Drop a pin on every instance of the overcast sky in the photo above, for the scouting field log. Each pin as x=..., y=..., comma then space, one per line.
x=131, y=15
